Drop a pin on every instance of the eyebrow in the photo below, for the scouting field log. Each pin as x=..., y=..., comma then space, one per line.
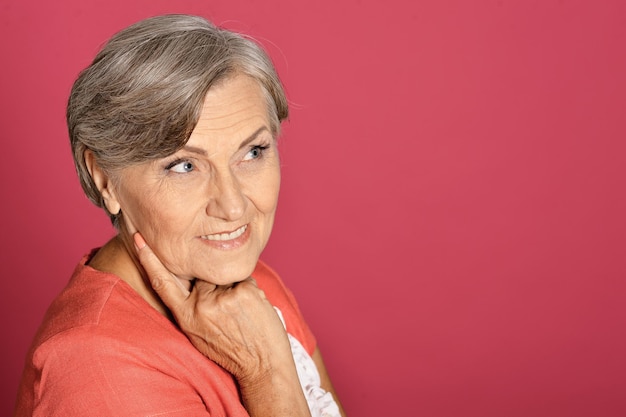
x=252, y=137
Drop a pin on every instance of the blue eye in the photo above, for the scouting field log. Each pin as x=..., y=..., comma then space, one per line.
x=255, y=152
x=181, y=167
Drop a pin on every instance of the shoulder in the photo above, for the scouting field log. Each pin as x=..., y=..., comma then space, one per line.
x=91, y=298
x=94, y=310
x=270, y=282
x=102, y=349
x=280, y=296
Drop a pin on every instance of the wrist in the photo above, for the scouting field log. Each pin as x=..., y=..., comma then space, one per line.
x=275, y=392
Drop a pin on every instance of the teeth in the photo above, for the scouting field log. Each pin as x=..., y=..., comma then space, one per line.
x=227, y=236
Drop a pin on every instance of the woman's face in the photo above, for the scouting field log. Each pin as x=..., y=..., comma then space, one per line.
x=207, y=211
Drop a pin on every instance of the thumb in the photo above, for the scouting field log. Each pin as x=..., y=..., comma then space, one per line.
x=164, y=283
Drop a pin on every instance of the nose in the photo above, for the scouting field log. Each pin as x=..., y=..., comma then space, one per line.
x=227, y=200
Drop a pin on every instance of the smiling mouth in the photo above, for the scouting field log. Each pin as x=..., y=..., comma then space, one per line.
x=220, y=237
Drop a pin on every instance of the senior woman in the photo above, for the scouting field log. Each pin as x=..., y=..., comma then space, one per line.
x=173, y=129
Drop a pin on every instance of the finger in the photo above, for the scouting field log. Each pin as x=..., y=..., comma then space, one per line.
x=250, y=281
x=204, y=286
x=164, y=283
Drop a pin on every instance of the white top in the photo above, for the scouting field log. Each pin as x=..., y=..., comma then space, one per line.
x=321, y=403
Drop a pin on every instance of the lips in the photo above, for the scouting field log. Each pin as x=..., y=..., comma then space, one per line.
x=221, y=237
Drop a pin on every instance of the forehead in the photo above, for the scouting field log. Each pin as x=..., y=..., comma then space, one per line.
x=234, y=112
x=233, y=104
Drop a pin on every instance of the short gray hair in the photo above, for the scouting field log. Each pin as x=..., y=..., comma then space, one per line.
x=142, y=95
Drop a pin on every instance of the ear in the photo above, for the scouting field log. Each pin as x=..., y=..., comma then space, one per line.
x=103, y=183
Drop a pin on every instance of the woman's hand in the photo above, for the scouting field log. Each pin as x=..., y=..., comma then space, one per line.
x=237, y=328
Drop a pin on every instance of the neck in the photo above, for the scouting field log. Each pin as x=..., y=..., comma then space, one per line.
x=118, y=257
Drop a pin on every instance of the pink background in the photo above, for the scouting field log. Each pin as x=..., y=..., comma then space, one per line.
x=452, y=216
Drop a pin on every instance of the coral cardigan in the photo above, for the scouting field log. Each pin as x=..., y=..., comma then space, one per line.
x=103, y=351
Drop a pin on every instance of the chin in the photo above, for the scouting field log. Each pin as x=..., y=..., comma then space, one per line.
x=229, y=274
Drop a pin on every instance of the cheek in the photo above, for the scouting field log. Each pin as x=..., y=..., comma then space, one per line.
x=148, y=212
x=143, y=215
x=166, y=229
x=266, y=192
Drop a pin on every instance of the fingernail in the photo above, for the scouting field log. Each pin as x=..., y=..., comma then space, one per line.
x=139, y=242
